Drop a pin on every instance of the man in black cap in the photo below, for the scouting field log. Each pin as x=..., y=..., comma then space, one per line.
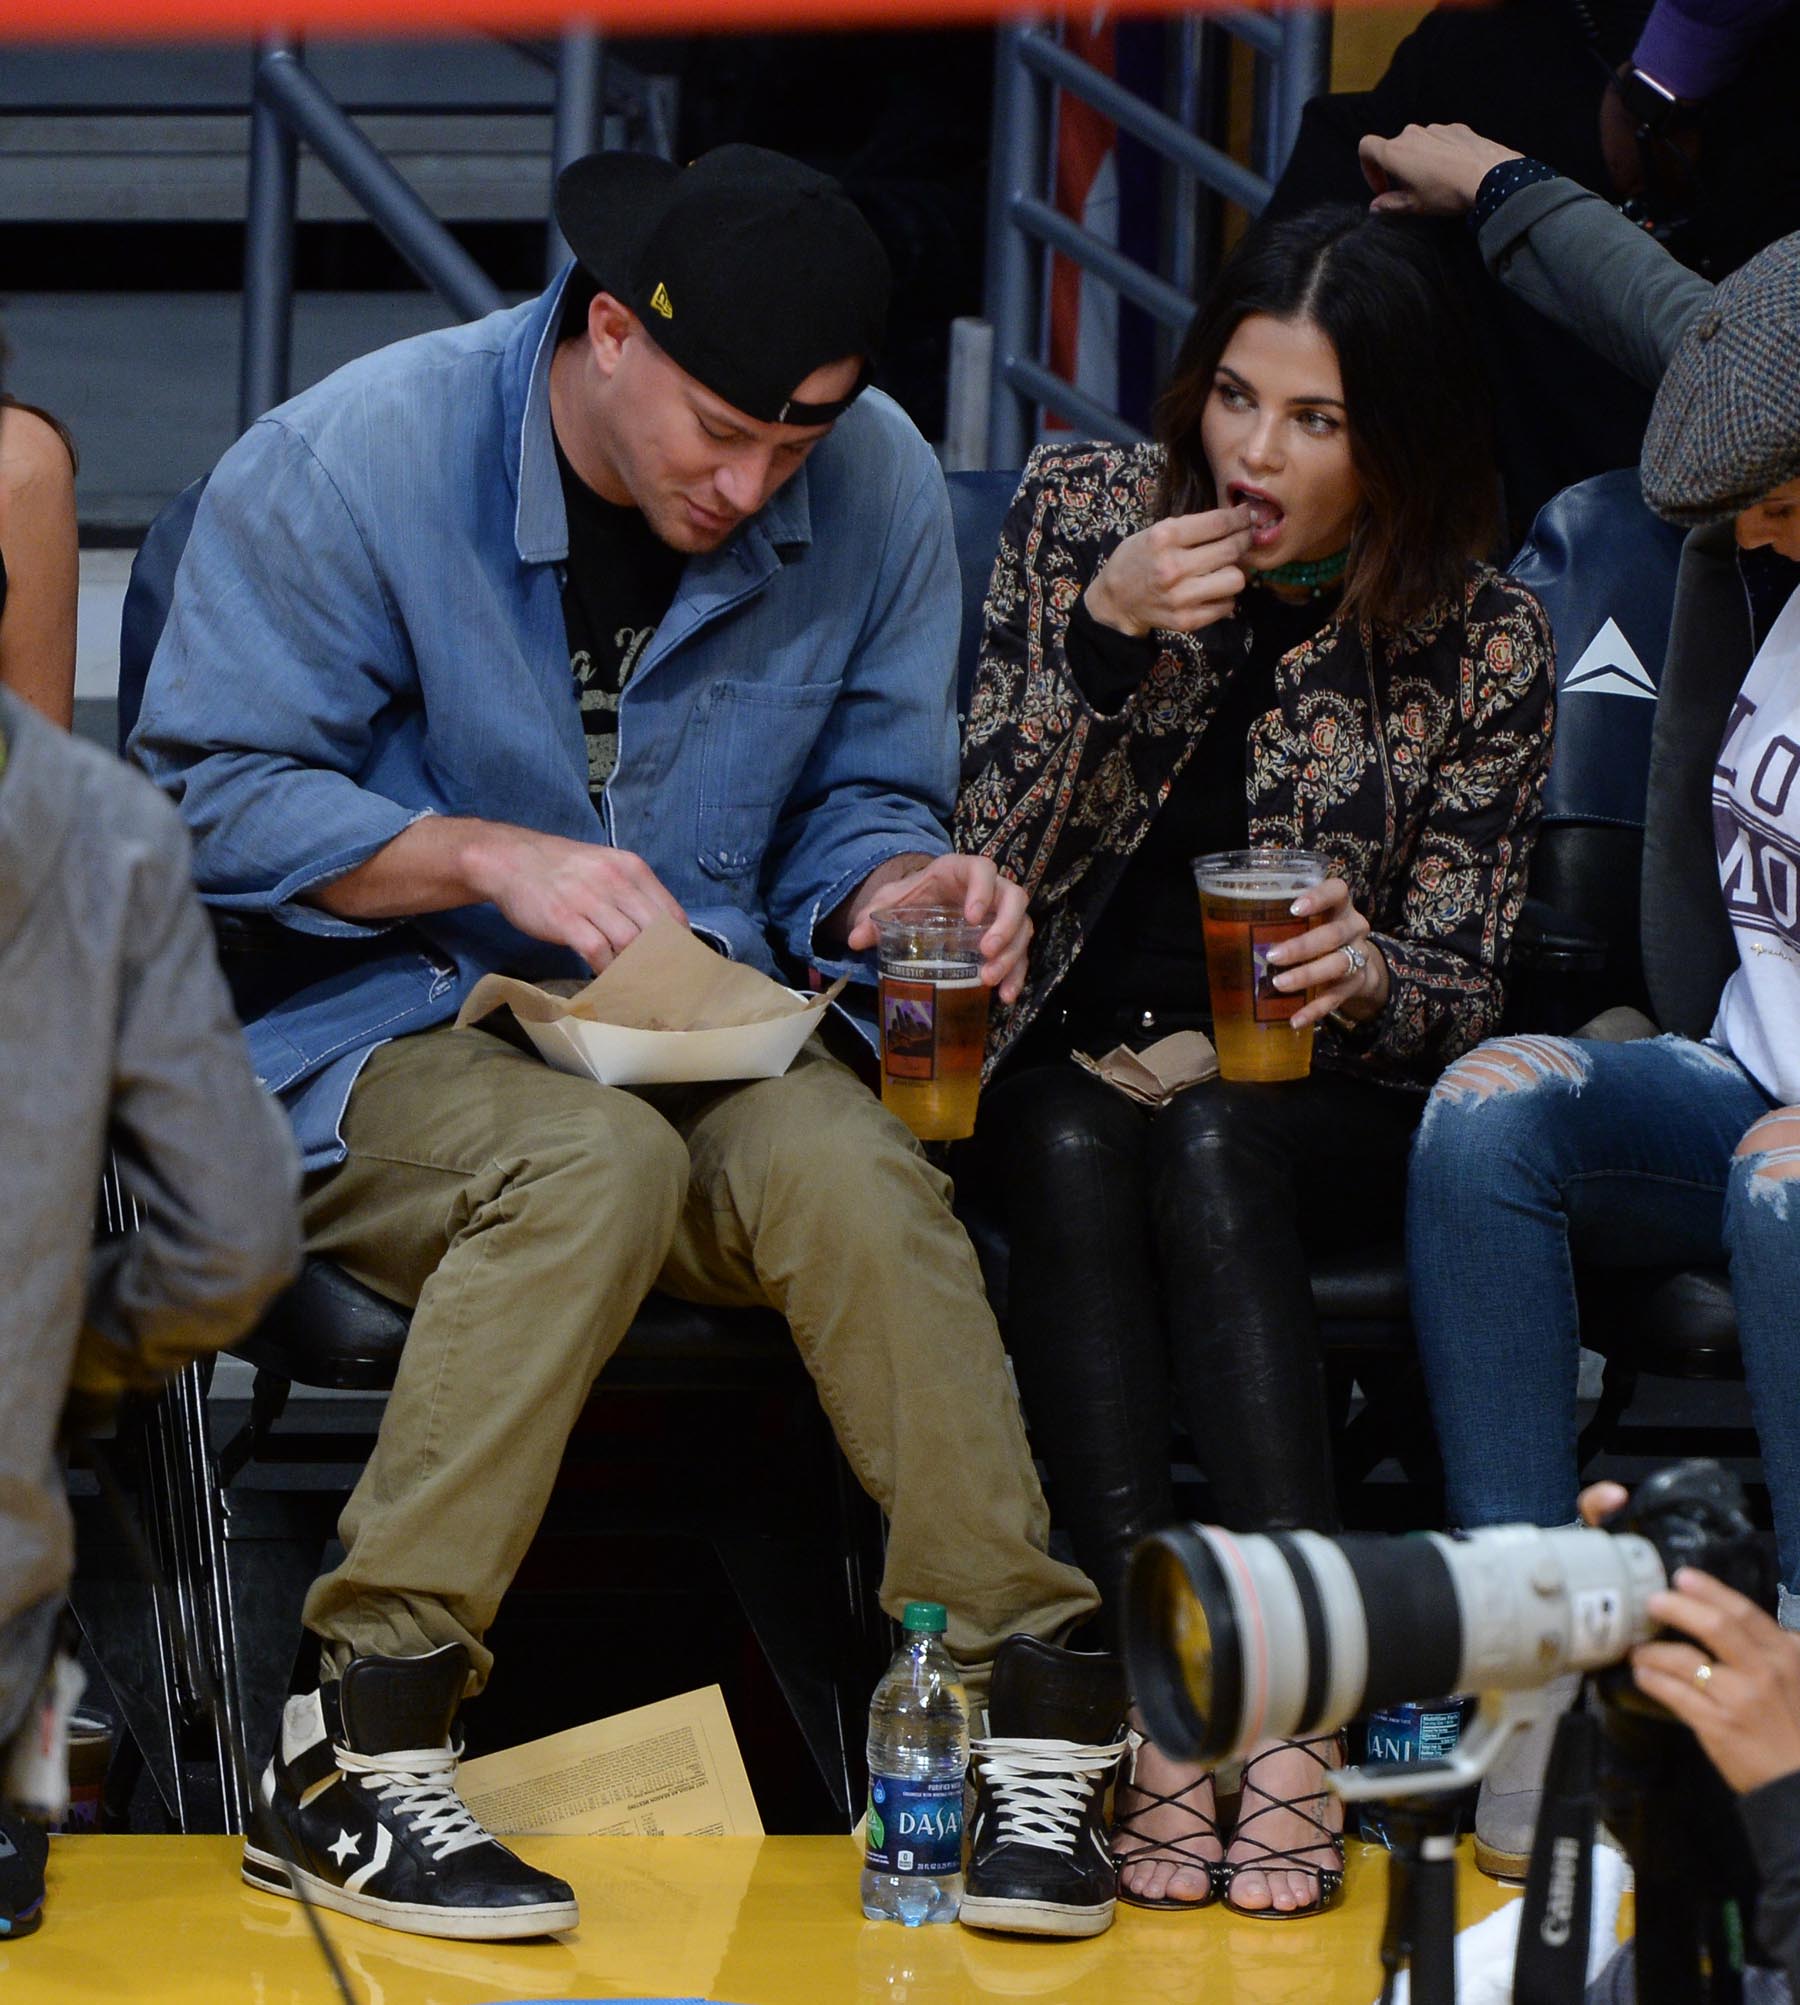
x=630, y=604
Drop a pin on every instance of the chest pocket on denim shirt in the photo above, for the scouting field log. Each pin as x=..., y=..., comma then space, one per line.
x=755, y=739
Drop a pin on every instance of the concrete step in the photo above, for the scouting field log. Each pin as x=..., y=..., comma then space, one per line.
x=475, y=71
x=193, y=167
x=148, y=381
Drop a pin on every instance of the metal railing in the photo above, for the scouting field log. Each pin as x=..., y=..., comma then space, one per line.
x=289, y=105
x=1032, y=66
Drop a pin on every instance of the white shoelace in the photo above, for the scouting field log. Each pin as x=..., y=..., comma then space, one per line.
x=1042, y=1788
x=421, y=1783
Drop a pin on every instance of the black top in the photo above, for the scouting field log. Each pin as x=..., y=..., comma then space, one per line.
x=1770, y=580
x=1146, y=951
x=620, y=580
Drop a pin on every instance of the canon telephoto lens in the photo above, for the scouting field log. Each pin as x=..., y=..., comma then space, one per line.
x=1234, y=1638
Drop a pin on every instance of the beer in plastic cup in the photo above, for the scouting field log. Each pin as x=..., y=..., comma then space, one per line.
x=1246, y=896
x=934, y=1011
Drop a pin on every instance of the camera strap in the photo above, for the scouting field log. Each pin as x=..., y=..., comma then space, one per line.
x=1559, y=1887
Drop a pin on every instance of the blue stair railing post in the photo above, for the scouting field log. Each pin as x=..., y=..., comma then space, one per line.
x=1293, y=52
x=1020, y=161
x=580, y=110
x=264, y=359
x=288, y=95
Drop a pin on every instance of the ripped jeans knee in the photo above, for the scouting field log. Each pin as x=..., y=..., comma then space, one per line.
x=1506, y=1068
x=1766, y=1164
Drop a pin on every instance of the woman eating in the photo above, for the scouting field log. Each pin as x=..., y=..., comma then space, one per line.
x=1269, y=628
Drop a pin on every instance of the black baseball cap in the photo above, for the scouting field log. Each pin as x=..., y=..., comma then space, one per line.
x=749, y=269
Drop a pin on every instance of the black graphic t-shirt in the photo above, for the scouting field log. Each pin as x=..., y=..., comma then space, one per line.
x=620, y=581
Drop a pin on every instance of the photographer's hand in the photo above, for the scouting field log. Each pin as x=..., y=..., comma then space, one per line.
x=1746, y=1711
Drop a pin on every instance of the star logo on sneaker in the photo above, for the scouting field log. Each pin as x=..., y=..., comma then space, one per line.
x=378, y=1831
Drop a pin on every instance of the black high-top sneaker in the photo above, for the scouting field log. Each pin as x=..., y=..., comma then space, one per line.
x=23, y=1850
x=363, y=1788
x=1039, y=1863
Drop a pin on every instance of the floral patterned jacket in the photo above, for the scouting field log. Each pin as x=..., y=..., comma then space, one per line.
x=1414, y=758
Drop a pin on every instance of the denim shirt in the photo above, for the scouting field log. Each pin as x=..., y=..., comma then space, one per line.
x=367, y=628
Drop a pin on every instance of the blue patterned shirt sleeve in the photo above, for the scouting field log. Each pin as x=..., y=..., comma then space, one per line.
x=1500, y=184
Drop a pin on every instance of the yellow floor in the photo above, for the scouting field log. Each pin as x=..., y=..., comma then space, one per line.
x=766, y=1921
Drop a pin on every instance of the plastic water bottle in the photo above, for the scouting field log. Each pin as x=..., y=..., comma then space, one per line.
x=918, y=1755
x=1423, y=1730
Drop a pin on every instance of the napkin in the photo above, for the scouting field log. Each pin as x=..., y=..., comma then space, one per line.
x=665, y=980
x=1153, y=1076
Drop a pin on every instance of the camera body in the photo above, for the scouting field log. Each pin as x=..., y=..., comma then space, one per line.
x=1693, y=1514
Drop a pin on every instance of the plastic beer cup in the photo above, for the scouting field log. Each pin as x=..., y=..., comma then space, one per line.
x=1246, y=899
x=934, y=1011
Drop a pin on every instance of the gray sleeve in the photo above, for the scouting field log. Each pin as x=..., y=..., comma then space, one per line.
x=1772, y=1819
x=203, y=1152
x=1583, y=265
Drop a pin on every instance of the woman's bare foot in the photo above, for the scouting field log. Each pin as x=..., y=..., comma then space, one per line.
x=1277, y=1772
x=1171, y=1833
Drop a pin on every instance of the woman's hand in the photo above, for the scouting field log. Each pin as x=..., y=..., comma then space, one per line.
x=1180, y=574
x=1429, y=170
x=1745, y=1712
x=1316, y=959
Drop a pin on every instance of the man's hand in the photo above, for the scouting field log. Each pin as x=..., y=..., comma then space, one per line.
x=1430, y=170
x=1180, y=574
x=985, y=897
x=1746, y=1711
x=582, y=895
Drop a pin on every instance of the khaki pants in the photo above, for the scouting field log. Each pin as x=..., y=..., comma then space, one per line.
x=526, y=1214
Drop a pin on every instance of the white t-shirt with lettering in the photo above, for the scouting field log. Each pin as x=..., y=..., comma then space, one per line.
x=1756, y=825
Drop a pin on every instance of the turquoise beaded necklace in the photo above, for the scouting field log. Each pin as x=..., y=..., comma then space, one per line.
x=1316, y=576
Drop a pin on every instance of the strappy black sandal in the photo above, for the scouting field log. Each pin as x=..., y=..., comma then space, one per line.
x=1300, y=1859
x=1167, y=1851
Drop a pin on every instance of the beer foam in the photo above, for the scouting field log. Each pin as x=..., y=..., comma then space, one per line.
x=1258, y=889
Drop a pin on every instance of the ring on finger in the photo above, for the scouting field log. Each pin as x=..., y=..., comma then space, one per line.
x=1356, y=957
x=1702, y=1676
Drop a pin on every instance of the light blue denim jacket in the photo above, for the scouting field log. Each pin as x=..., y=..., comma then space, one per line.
x=367, y=627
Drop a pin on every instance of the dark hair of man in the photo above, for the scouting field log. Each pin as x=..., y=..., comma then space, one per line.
x=1416, y=400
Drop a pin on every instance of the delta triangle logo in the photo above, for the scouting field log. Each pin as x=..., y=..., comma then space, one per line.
x=662, y=303
x=1609, y=667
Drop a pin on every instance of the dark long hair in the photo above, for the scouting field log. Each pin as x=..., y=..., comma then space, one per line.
x=1416, y=398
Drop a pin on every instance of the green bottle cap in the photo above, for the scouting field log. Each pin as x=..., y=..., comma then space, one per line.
x=925, y=1615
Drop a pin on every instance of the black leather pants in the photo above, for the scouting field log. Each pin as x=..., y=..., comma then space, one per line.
x=1160, y=1269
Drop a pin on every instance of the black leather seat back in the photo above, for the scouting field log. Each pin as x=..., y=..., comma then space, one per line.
x=1688, y=947
x=1605, y=569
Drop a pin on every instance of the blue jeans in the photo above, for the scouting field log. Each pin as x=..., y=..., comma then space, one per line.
x=1535, y=1151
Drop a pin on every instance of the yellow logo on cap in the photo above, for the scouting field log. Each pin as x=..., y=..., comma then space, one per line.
x=663, y=304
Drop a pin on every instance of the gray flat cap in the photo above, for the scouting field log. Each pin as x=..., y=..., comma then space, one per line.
x=1726, y=425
